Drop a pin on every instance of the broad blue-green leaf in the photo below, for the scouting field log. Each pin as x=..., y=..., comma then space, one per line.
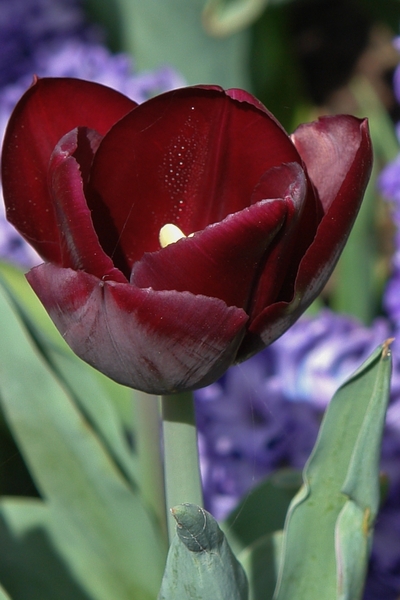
x=253, y=530
x=86, y=386
x=30, y=566
x=105, y=404
x=100, y=526
x=92, y=400
x=263, y=510
x=261, y=562
x=15, y=281
x=200, y=563
x=329, y=524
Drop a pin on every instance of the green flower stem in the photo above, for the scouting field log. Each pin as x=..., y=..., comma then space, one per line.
x=148, y=447
x=181, y=461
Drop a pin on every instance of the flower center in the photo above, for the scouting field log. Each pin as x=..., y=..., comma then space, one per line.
x=169, y=234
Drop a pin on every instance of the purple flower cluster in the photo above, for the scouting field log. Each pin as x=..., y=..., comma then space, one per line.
x=51, y=38
x=27, y=26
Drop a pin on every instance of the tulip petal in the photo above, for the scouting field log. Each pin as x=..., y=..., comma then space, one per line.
x=158, y=342
x=289, y=182
x=321, y=257
x=47, y=111
x=328, y=148
x=214, y=260
x=69, y=168
x=347, y=186
x=189, y=157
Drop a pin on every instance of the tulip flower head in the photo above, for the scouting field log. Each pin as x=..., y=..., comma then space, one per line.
x=181, y=235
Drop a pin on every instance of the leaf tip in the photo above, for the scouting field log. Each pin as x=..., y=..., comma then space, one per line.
x=386, y=351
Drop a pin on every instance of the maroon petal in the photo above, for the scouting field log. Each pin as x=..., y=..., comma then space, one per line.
x=341, y=210
x=221, y=261
x=80, y=248
x=328, y=148
x=289, y=182
x=188, y=157
x=47, y=111
x=320, y=259
x=158, y=342
x=269, y=326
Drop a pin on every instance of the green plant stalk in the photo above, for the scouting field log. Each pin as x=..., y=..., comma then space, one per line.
x=181, y=460
x=148, y=446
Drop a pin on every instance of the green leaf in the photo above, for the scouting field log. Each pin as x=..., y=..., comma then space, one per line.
x=261, y=562
x=99, y=523
x=200, y=563
x=84, y=384
x=106, y=404
x=30, y=566
x=92, y=401
x=253, y=530
x=263, y=510
x=329, y=524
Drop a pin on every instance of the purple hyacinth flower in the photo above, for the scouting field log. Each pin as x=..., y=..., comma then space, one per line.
x=26, y=25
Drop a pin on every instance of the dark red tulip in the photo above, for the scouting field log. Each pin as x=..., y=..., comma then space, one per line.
x=90, y=179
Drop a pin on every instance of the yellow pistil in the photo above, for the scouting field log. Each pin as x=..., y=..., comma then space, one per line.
x=169, y=234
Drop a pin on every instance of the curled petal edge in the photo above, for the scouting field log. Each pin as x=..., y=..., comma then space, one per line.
x=79, y=244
